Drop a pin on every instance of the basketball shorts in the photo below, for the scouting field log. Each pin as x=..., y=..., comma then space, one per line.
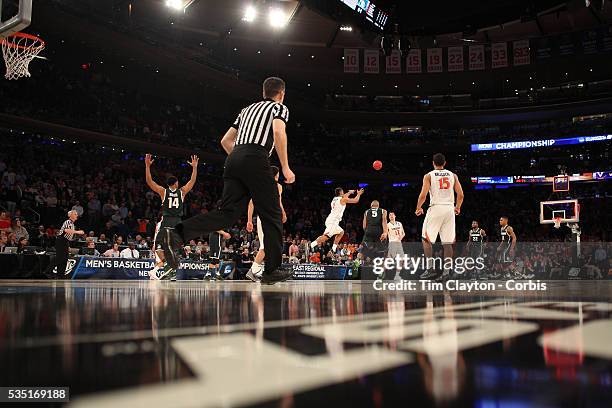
x=476, y=250
x=372, y=234
x=332, y=228
x=395, y=249
x=505, y=256
x=169, y=222
x=439, y=220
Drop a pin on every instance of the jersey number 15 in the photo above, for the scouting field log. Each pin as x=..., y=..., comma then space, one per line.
x=444, y=183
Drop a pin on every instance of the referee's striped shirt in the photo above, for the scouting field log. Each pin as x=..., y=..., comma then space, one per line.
x=254, y=123
x=66, y=225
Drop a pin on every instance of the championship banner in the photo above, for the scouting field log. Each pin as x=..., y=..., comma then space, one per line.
x=455, y=59
x=318, y=272
x=521, y=53
x=123, y=268
x=499, y=55
x=351, y=61
x=393, y=63
x=476, y=57
x=434, y=60
x=414, y=64
x=370, y=64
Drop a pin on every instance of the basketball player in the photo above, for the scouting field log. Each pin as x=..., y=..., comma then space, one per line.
x=256, y=270
x=216, y=242
x=173, y=199
x=507, y=245
x=396, y=235
x=475, y=244
x=374, y=229
x=332, y=223
x=441, y=184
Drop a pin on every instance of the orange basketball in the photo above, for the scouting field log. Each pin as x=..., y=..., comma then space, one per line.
x=377, y=165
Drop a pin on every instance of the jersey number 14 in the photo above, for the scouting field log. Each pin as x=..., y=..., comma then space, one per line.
x=173, y=202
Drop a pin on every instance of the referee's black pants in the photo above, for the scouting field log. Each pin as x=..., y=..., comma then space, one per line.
x=247, y=175
x=62, y=246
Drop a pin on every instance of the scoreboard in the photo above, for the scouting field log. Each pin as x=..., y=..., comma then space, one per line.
x=370, y=11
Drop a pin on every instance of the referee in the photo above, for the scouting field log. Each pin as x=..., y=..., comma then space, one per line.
x=62, y=242
x=257, y=131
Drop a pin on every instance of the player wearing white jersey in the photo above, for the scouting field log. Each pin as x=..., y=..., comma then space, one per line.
x=396, y=234
x=332, y=223
x=441, y=184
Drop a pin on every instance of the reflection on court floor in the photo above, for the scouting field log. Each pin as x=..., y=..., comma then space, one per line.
x=184, y=344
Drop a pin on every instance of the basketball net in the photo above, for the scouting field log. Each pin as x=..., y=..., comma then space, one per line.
x=18, y=50
x=557, y=221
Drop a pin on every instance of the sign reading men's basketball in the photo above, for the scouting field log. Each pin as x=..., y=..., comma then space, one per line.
x=477, y=57
x=455, y=59
x=521, y=52
x=499, y=56
x=434, y=60
x=370, y=65
x=413, y=61
x=394, y=63
x=351, y=61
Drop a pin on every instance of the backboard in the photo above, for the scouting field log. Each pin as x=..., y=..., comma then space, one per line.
x=568, y=211
x=15, y=15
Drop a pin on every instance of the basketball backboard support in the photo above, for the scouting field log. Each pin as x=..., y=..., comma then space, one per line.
x=15, y=15
x=568, y=211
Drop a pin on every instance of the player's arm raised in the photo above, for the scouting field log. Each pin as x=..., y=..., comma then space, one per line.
x=152, y=184
x=347, y=200
x=423, y=195
x=459, y=191
x=194, y=175
x=384, y=226
x=250, y=208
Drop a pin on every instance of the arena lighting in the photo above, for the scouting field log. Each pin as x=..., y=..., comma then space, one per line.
x=174, y=4
x=250, y=14
x=179, y=4
x=277, y=18
x=346, y=28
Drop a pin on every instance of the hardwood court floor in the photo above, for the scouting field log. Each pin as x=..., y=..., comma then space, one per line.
x=304, y=344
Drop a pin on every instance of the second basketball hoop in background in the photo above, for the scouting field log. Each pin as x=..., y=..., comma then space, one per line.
x=18, y=50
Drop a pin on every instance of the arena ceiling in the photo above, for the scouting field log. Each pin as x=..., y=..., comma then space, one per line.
x=309, y=48
x=316, y=23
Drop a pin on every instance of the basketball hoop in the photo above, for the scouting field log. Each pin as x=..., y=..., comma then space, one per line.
x=18, y=50
x=557, y=221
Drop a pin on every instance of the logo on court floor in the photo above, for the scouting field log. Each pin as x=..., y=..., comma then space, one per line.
x=440, y=333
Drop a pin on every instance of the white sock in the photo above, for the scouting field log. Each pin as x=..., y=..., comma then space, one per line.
x=313, y=244
x=256, y=268
x=334, y=247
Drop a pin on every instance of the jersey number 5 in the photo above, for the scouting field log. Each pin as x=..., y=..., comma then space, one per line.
x=444, y=183
x=173, y=202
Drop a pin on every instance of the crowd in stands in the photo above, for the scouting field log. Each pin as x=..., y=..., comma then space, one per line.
x=42, y=178
x=90, y=99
